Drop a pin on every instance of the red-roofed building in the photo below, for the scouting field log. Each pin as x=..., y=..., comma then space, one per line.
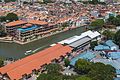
x=26, y=66
x=24, y=31
x=13, y=26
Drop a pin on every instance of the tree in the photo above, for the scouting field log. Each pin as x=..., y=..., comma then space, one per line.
x=83, y=78
x=47, y=76
x=10, y=0
x=53, y=68
x=53, y=73
x=11, y=17
x=117, y=38
x=67, y=62
x=94, y=2
x=108, y=34
x=44, y=76
x=2, y=18
x=3, y=34
x=47, y=1
x=93, y=44
x=100, y=71
x=1, y=62
x=114, y=20
x=65, y=25
x=82, y=66
x=97, y=24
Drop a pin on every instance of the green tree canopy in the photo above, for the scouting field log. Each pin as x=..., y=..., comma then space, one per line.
x=108, y=34
x=44, y=76
x=1, y=62
x=83, y=78
x=53, y=68
x=97, y=24
x=82, y=66
x=11, y=17
x=10, y=0
x=2, y=34
x=93, y=44
x=114, y=20
x=117, y=38
x=2, y=18
x=67, y=62
x=100, y=71
x=92, y=2
x=47, y=1
x=55, y=74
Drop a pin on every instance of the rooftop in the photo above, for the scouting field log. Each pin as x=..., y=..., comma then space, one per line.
x=21, y=22
x=37, y=22
x=114, y=63
x=80, y=42
x=110, y=43
x=35, y=61
x=114, y=55
x=86, y=55
x=16, y=23
x=28, y=28
x=101, y=47
x=89, y=34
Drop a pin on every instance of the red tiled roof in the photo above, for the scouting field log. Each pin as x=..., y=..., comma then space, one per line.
x=65, y=19
x=15, y=23
x=30, y=22
x=35, y=61
x=37, y=22
x=9, y=67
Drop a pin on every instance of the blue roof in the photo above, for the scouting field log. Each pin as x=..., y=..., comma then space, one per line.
x=86, y=55
x=101, y=47
x=114, y=63
x=28, y=29
x=116, y=78
x=114, y=55
x=118, y=71
x=110, y=43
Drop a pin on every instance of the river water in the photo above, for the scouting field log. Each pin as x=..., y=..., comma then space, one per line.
x=16, y=51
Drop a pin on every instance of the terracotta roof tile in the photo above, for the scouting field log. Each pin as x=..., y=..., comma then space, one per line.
x=15, y=23
x=37, y=22
x=35, y=61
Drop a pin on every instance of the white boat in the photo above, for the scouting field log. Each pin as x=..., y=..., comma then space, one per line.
x=28, y=52
x=52, y=45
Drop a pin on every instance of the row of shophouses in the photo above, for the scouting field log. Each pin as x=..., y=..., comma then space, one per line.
x=24, y=31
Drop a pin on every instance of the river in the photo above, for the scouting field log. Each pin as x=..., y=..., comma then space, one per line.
x=17, y=51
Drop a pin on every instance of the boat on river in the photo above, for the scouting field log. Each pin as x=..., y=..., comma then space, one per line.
x=28, y=52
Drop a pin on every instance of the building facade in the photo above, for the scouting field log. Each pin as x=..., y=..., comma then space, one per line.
x=28, y=30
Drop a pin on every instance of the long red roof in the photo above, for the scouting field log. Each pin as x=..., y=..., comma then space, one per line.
x=20, y=22
x=26, y=65
x=15, y=23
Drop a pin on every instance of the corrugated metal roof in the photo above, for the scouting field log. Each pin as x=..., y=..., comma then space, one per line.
x=80, y=42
